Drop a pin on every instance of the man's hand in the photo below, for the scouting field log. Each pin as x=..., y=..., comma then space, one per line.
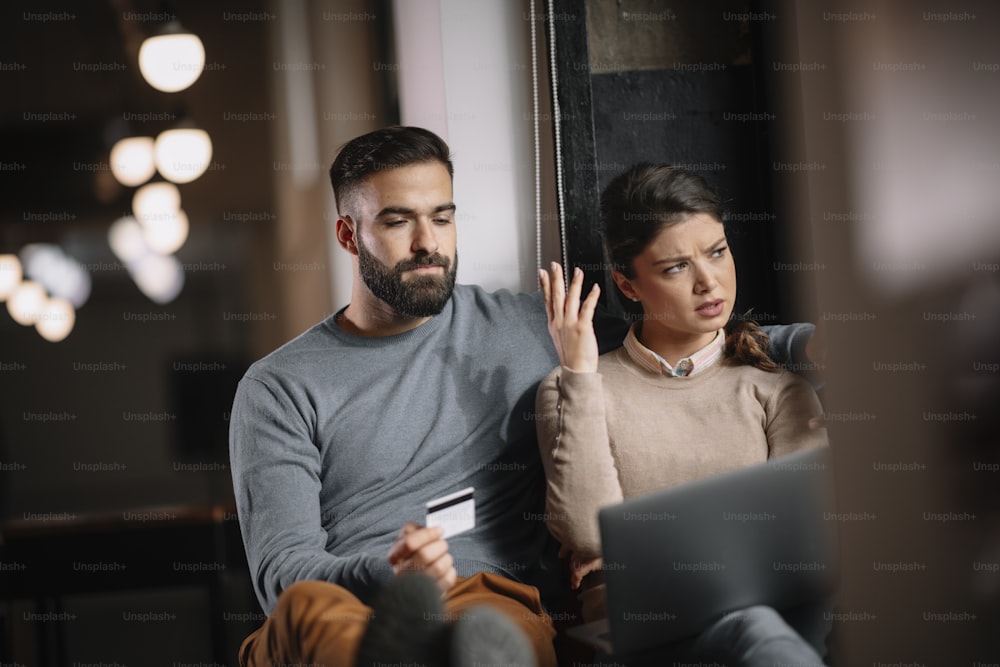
x=423, y=550
x=571, y=324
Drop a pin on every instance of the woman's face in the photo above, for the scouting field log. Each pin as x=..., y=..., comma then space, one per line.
x=685, y=279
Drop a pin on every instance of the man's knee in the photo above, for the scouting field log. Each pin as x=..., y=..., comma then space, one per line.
x=300, y=591
x=318, y=597
x=756, y=634
x=742, y=630
x=760, y=617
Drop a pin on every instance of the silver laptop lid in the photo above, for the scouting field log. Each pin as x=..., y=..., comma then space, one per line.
x=679, y=558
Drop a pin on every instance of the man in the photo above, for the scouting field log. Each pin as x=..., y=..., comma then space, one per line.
x=417, y=389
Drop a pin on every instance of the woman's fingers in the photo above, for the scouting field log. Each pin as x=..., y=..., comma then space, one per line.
x=570, y=321
x=590, y=305
x=546, y=285
x=562, y=307
x=558, y=294
x=572, y=307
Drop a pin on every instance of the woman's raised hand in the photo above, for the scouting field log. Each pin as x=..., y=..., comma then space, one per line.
x=571, y=324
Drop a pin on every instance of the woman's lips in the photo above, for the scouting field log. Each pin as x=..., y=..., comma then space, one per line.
x=710, y=308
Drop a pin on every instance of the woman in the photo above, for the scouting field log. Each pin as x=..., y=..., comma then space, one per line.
x=691, y=393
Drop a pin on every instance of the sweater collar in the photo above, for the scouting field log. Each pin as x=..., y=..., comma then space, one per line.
x=690, y=365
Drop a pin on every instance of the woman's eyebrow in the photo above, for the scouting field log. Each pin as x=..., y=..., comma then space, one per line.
x=681, y=258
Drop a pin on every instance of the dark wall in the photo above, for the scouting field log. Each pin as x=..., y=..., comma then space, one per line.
x=683, y=118
x=137, y=386
x=114, y=483
x=687, y=85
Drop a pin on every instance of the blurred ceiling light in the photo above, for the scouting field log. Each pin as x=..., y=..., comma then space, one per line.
x=56, y=319
x=127, y=240
x=167, y=233
x=159, y=277
x=182, y=154
x=132, y=161
x=173, y=59
x=26, y=303
x=10, y=275
x=60, y=275
x=155, y=200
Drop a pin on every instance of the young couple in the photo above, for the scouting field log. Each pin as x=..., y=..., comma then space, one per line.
x=421, y=387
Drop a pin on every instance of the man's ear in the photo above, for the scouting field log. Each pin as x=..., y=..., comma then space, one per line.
x=625, y=285
x=345, y=234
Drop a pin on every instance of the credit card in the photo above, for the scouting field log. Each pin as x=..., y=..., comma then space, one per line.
x=456, y=512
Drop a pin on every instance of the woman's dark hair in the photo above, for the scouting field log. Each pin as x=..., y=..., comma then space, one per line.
x=638, y=204
x=382, y=150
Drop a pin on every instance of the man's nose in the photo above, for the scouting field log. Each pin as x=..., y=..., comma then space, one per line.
x=424, y=237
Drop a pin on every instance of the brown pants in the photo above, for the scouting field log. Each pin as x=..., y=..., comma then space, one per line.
x=320, y=624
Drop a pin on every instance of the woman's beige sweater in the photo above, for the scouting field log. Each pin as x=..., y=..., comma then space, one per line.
x=625, y=431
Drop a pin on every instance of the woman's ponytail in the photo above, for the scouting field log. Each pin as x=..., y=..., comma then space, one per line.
x=747, y=345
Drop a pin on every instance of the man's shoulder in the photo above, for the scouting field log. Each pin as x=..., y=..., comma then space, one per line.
x=476, y=295
x=296, y=352
x=501, y=305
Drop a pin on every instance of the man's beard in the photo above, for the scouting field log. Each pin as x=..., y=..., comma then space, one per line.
x=420, y=296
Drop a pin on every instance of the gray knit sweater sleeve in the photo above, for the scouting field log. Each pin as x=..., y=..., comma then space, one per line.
x=277, y=478
x=788, y=348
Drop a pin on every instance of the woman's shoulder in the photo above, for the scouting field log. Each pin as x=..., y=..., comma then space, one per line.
x=611, y=359
x=758, y=375
x=768, y=385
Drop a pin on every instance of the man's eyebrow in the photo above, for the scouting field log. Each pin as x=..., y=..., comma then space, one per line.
x=681, y=258
x=404, y=210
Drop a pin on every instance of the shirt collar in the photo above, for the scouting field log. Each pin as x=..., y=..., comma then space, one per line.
x=690, y=365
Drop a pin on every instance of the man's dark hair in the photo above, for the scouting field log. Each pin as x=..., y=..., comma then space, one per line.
x=382, y=150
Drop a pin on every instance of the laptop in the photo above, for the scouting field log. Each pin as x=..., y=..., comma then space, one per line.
x=676, y=560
